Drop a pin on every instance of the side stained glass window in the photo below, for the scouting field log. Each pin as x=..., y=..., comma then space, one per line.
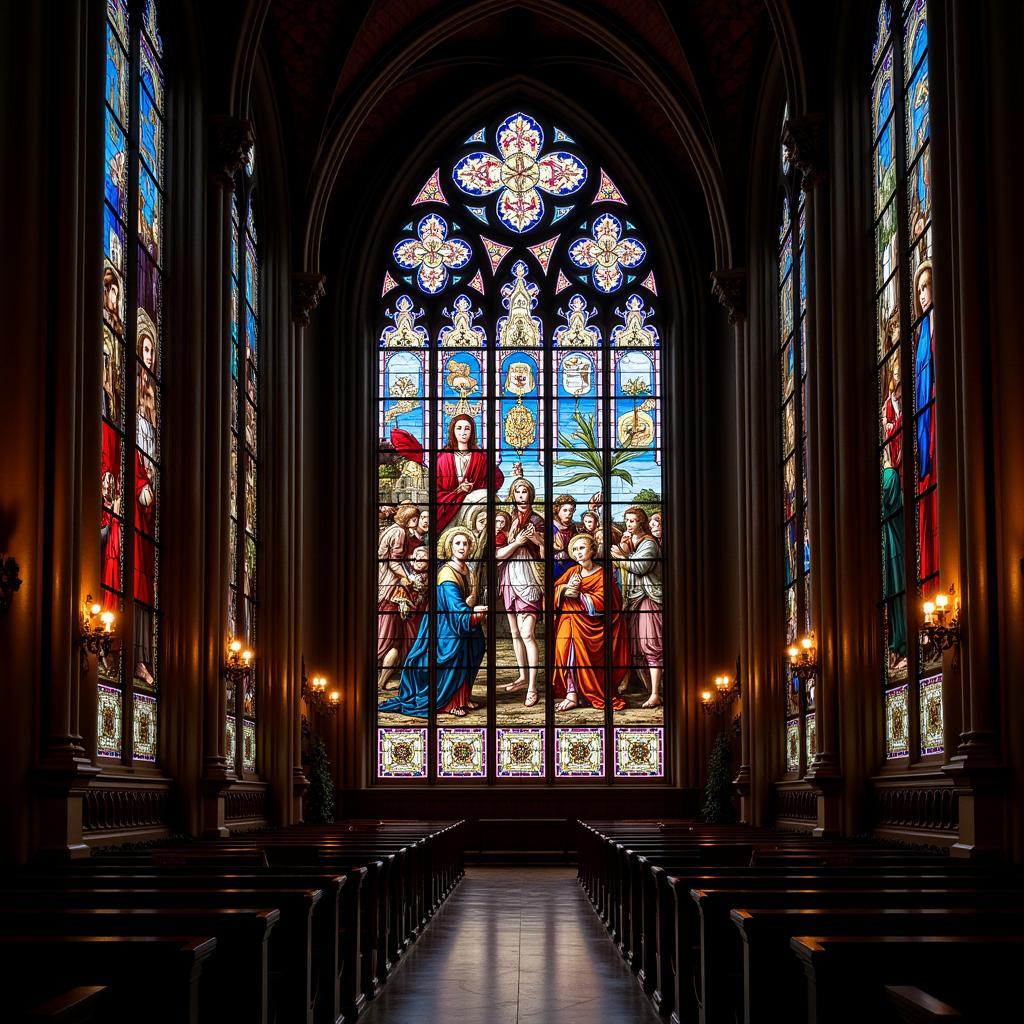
x=520, y=453
x=800, y=716
x=905, y=353
x=132, y=392
x=244, y=465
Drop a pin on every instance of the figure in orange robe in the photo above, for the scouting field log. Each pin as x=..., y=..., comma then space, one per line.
x=580, y=632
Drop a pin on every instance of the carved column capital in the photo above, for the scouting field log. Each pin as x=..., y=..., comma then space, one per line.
x=231, y=141
x=307, y=291
x=806, y=140
x=730, y=288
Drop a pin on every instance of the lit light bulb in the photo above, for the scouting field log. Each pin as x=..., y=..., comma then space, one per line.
x=247, y=656
x=792, y=652
x=107, y=618
x=941, y=601
x=335, y=696
x=807, y=642
x=706, y=696
x=94, y=609
x=236, y=646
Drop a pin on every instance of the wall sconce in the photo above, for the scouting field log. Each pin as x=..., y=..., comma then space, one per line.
x=718, y=700
x=941, y=626
x=238, y=664
x=10, y=580
x=803, y=659
x=96, y=633
x=316, y=694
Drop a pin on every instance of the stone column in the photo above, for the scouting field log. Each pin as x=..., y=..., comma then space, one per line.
x=806, y=140
x=231, y=139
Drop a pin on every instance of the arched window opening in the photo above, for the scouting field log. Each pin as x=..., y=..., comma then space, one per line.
x=520, y=486
x=130, y=460
x=244, y=466
x=905, y=350
x=800, y=715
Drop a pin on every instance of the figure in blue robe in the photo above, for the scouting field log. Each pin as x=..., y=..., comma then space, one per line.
x=460, y=647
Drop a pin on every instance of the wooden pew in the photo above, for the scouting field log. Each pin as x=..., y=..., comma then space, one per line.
x=290, y=942
x=332, y=941
x=234, y=983
x=772, y=981
x=915, y=1006
x=158, y=973
x=847, y=974
x=84, y=1004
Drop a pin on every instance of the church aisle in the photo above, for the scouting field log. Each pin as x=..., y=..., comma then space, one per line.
x=513, y=945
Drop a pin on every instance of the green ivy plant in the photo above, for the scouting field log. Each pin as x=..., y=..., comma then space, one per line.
x=319, y=802
x=717, y=808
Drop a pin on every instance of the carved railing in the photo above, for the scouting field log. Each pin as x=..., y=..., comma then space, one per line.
x=247, y=804
x=796, y=803
x=117, y=809
x=928, y=808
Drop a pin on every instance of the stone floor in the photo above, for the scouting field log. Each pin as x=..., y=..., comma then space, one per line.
x=517, y=945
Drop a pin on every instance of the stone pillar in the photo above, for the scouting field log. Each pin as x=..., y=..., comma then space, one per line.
x=729, y=287
x=806, y=140
x=308, y=289
x=230, y=141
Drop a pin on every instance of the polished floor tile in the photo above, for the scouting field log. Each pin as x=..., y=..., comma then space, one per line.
x=513, y=946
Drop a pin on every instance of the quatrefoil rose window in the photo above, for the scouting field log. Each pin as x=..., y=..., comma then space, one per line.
x=520, y=172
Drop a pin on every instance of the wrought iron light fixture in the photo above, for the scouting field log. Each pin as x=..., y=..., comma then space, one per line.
x=941, y=627
x=316, y=694
x=803, y=659
x=718, y=700
x=238, y=663
x=96, y=633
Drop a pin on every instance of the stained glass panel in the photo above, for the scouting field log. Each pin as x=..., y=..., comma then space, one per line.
x=639, y=753
x=520, y=753
x=462, y=753
x=793, y=745
x=108, y=722
x=897, y=738
x=244, y=455
x=130, y=466
x=145, y=727
x=900, y=98
x=794, y=399
x=579, y=753
x=514, y=417
x=402, y=753
x=931, y=715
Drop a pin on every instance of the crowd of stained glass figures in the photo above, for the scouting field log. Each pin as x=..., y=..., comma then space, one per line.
x=521, y=527
x=905, y=351
x=132, y=317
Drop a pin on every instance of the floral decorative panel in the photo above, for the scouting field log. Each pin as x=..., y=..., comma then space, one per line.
x=897, y=735
x=402, y=753
x=793, y=745
x=579, y=753
x=461, y=753
x=248, y=746
x=520, y=753
x=931, y=715
x=639, y=753
x=108, y=722
x=144, y=727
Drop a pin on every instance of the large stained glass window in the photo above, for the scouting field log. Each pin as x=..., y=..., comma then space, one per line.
x=905, y=350
x=521, y=519
x=800, y=715
x=130, y=459
x=244, y=465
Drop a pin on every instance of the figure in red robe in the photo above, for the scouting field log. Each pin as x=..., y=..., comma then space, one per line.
x=461, y=469
x=580, y=632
